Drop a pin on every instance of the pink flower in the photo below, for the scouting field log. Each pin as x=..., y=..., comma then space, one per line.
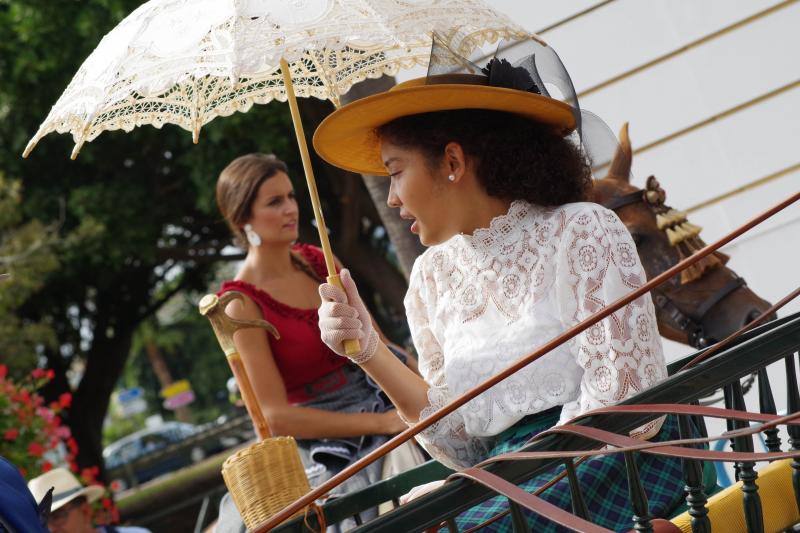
x=45, y=414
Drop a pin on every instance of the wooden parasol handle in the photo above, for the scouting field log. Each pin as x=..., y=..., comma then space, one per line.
x=213, y=307
x=351, y=347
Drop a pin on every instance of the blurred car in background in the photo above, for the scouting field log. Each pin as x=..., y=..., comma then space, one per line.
x=149, y=453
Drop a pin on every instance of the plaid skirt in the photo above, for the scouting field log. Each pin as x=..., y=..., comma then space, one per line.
x=603, y=481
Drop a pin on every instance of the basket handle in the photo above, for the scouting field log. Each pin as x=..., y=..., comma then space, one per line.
x=213, y=307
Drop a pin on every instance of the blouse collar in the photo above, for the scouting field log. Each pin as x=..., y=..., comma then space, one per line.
x=503, y=229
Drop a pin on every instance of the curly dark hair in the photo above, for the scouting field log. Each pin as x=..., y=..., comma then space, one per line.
x=514, y=157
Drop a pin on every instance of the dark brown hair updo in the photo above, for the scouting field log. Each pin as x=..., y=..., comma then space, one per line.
x=513, y=157
x=237, y=188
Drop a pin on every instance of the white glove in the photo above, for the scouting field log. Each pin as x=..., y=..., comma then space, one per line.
x=343, y=316
x=421, y=490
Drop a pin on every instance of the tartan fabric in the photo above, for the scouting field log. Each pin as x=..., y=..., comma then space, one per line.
x=603, y=481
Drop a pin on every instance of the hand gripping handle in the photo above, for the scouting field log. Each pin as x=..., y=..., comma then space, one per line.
x=351, y=346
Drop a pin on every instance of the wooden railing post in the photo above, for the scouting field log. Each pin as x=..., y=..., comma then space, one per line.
x=753, y=514
x=578, y=503
x=641, y=511
x=695, y=491
x=766, y=403
x=793, y=403
x=518, y=521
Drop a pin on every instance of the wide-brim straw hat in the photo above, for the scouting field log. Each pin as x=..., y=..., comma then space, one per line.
x=348, y=140
x=66, y=488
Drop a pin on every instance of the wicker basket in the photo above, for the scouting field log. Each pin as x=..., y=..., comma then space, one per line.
x=264, y=478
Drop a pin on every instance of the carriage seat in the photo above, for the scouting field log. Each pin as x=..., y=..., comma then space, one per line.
x=726, y=508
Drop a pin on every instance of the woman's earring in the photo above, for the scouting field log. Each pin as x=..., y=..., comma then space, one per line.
x=252, y=237
x=451, y=177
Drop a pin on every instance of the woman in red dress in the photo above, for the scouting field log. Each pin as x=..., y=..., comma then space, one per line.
x=304, y=389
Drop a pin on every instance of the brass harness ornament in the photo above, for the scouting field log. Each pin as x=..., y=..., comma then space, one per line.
x=682, y=234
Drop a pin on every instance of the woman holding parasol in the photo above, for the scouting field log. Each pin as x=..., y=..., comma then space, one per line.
x=495, y=172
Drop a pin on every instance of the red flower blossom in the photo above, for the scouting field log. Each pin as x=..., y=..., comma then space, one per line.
x=46, y=466
x=65, y=400
x=11, y=434
x=72, y=445
x=35, y=449
x=38, y=373
x=3, y=371
x=23, y=397
x=90, y=474
x=107, y=503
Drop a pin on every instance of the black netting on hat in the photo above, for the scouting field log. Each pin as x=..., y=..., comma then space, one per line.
x=528, y=65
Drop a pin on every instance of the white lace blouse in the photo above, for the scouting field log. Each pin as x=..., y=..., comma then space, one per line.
x=478, y=303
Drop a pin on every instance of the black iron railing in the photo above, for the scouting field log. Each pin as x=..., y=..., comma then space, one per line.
x=750, y=354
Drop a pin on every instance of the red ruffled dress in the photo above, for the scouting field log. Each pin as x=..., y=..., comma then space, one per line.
x=308, y=367
x=317, y=377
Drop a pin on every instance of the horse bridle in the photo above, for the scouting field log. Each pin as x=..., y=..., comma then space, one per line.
x=691, y=325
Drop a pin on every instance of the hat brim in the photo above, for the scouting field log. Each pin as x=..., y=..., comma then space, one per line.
x=347, y=138
x=92, y=493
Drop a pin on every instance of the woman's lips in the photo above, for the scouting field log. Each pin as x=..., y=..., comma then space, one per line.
x=290, y=225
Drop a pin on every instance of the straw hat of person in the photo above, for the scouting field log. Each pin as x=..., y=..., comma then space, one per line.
x=66, y=488
x=346, y=138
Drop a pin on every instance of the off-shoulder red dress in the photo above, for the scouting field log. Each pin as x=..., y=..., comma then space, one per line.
x=308, y=367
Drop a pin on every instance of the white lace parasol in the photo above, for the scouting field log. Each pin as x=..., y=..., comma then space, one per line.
x=186, y=62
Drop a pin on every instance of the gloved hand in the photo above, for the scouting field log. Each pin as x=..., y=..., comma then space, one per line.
x=343, y=316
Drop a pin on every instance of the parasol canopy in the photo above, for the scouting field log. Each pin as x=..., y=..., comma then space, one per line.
x=186, y=62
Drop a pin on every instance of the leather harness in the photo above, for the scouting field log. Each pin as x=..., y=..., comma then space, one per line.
x=692, y=324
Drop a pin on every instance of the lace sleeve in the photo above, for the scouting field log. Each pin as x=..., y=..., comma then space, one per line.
x=447, y=440
x=621, y=354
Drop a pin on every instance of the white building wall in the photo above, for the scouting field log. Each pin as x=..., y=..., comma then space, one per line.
x=750, y=61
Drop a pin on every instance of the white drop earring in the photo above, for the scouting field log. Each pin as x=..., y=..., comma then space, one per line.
x=451, y=177
x=252, y=237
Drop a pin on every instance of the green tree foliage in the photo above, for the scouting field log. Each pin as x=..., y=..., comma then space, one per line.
x=142, y=201
x=135, y=213
x=26, y=257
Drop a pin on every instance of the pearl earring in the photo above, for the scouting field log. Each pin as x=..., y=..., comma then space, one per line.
x=451, y=177
x=252, y=237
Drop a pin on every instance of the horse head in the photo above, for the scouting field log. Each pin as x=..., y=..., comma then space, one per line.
x=706, y=302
